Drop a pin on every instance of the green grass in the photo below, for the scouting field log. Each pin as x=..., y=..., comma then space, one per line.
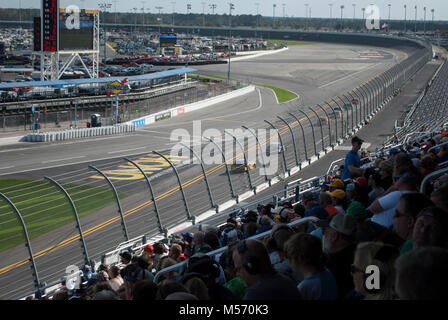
x=283, y=95
x=290, y=42
x=44, y=208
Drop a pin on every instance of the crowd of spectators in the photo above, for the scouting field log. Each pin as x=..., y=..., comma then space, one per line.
x=366, y=215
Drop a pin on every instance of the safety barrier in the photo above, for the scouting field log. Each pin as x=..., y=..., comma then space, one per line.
x=78, y=133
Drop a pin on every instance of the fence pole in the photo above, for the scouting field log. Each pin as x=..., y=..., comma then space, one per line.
x=335, y=119
x=351, y=112
x=156, y=209
x=28, y=245
x=232, y=193
x=212, y=202
x=282, y=149
x=342, y=116
x=293, y=139
x=123, y=223
x=365, y=98
x=356, y=108
x=321, y=129
x=312, y=130
x=329, y=126
x=187, y=209
x=245, y=159
x=78, y=224
x=261, y=151
x=303, y=134
x=371, y=91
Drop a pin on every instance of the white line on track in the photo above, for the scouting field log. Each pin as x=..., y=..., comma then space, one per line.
x=112, y=152
x=57, y=160
x=350, y=75
x=4, y=168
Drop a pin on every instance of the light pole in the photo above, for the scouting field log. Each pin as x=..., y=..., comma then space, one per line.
x=231, y=7
x=203, y=13
x=388, y=22
x=273, y=15
x=432, y=11
x=135, y=24
x=284, y=7
x=405, y=17
x=331, y=10
x=213, y=7
x=342, y=15
x=143, y=12
x=354, y=11
x=160, y=18
x=257, y=4
x=306, y=16
x=173, y=3
x=424, y=21
x=363, y=13
x=415, y=19
x=115, y=9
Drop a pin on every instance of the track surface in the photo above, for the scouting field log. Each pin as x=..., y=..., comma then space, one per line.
x=315, y=72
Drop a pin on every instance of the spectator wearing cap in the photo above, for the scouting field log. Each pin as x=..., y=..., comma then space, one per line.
x=393, y=154
x=375, y=183
x=442, y=156
x=350, y=192
x=403, y=164
x=383, y=208
x=431, y=229
x=327, y=203
x=304, y=252
x=209, y=271
x=336, y=184
x=352, y=161
x=338, y=244
x=415, y=153
x=406, y=212
x=275, y=243
x=264, y=225
x=131, y=274
x=421, y=274
x=317, y=212
x=381, y=255
x=252, y=264
x=440, y=198
x=338, y=199
x=86, y=273
x=361, y=191
x=199, y=244
x=125, y=258
x=357, y=210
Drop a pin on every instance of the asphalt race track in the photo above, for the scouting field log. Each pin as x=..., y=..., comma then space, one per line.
x=315, y=72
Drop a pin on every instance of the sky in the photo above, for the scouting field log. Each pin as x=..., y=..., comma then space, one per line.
x=291, y=8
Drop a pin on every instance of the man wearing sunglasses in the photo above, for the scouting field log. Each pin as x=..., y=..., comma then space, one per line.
x=405, y=215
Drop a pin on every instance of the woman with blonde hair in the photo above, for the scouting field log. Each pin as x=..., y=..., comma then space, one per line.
x=382, y=256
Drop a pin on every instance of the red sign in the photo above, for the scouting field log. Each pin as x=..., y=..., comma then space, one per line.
x=180, y=111
x=50, y=25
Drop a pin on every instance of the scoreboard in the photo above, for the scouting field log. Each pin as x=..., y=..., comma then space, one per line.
x=50, y=9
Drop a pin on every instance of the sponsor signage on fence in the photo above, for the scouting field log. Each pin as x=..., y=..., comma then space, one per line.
x=180, y=111
x=163, y=116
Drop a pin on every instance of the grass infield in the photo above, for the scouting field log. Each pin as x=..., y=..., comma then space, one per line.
x=45, y=208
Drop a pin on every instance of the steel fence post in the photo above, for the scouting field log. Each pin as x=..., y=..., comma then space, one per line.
x=123, y=223
x=303, y=135
x=351, y=111
x=342, y=115
x=261, y=151
x=312, y=130
x=356, y=108
x=329, y=126
x=212, y=202
x=153, y=198
x=335, y=120
x=293, y=139
x=28, y=245
x=187, y=209
x=321, y=129
x=78, y=224
x=245, y=159
x=232, y=193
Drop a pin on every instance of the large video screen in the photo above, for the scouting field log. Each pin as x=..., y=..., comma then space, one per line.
x=168, y=40
x=74, y=36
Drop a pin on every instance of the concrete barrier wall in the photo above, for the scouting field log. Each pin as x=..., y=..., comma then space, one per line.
x=78, y=133
x=174, y=112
